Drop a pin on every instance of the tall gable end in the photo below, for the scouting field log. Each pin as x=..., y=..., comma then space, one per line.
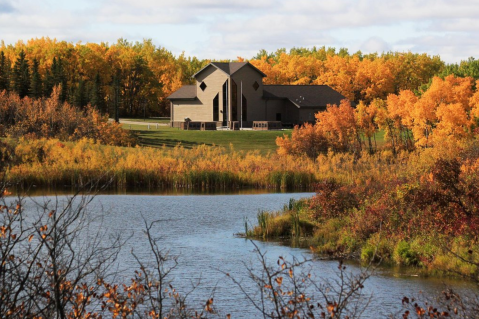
x=229, y=67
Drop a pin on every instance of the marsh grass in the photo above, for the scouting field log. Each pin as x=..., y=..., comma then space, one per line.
x=289, y=223
x=51, y=163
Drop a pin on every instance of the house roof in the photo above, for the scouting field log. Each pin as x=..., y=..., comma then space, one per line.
x=230, y=67
x=186, y=92
x=303, y=95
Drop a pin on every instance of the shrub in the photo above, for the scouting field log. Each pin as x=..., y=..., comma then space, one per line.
x=404, y=254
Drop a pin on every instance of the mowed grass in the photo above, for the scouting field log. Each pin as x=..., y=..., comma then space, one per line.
x=263, y=141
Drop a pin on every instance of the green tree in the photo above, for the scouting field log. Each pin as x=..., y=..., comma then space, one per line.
x=80, y=98
x=36, y=84
x=49, y=81
x=4, y=73
x=136, y=82
x=61, y=79
x=21, y=76
x=97, y=95
x=56, y=77
x=470, y=67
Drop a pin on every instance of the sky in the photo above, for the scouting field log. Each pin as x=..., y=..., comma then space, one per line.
x=227, y=29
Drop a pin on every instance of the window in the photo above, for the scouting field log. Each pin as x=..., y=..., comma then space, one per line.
x=255, y=86
x=244, y=109
x=234, y=101
x=278, y=116
x=216, y=107
x=203, y=86
x=225, y=102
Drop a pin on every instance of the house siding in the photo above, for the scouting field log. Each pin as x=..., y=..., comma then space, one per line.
x=291, y=113
x=202, y=109
x=307, y=115
x=214, y=80
x=272, y=108
x=191, y=109
x=256, y=108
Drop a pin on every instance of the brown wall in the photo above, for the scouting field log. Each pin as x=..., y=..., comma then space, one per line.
x=256, y=105
x=273, y=107
x=307, y=115
x=290, y=113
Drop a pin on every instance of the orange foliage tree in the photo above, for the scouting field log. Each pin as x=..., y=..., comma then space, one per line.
x=51, y=118
x=446, y=112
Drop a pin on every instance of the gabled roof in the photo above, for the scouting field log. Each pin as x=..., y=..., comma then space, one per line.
x=230, y=67
x=303, y=95
x=186, y=92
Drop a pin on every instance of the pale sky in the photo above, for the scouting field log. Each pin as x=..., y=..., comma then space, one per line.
x=226, y=29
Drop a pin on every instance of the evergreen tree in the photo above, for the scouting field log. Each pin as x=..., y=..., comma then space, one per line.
x=97, y=96
x=21, y=76
x=36, y=90
x=56, y=77
x=49, y=81
x=80, y=97
x=62, y=80
x=4, y=73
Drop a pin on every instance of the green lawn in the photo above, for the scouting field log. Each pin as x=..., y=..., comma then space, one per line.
x=264, y=141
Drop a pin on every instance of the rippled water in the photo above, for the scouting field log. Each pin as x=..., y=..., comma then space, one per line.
x=200, y=229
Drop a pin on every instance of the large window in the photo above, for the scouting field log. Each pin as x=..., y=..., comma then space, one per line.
x=216, y=107
x=225, y=102
x=244, y=109
x=234, y=101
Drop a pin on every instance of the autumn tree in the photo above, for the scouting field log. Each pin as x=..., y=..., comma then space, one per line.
x=366, y=120
x=338, y=123
x=440, y=94
x=399, y=109
x=306, y=139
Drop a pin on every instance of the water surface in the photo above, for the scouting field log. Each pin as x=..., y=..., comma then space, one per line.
x=201, y=229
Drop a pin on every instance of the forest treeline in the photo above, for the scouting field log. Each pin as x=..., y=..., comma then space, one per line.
x=136, y=77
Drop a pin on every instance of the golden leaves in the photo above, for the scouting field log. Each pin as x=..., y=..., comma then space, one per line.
x=279, y=280
x=209, y=306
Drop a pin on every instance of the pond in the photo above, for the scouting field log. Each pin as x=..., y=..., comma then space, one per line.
x=201, y=229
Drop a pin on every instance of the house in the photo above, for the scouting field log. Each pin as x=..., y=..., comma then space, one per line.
x=234, y=93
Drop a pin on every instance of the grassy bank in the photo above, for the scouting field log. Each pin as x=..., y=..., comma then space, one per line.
x=420, y=209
